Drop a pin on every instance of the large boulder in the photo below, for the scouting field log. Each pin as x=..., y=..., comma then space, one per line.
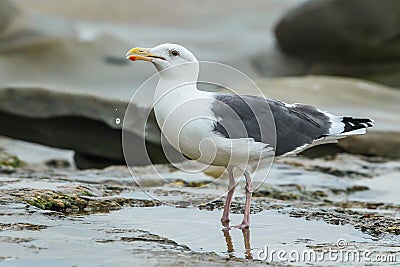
x=274, y=63
x=380, y=143
x=342, y=30
x=357, y=38
x=90, y=125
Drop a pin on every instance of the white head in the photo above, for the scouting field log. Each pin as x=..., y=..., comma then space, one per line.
x=163, y=56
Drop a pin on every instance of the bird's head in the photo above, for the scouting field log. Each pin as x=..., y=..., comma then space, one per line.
x=162, y=56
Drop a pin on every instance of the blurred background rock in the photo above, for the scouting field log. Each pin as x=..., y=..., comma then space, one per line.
x=358, y=38
x=65, y=82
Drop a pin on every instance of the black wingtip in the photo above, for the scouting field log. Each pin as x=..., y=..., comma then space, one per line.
x=352, y=124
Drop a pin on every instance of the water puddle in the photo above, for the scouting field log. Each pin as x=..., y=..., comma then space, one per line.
x=201, y=230
x=98, y=238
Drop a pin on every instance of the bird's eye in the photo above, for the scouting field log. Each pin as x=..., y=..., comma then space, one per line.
x=174, y=52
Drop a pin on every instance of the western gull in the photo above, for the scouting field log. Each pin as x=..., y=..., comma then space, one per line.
x=231, y=130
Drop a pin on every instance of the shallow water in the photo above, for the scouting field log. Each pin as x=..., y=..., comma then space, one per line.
x=201, y=231
x=97, y=239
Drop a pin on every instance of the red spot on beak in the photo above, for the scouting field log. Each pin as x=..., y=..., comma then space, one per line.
x=133, y=58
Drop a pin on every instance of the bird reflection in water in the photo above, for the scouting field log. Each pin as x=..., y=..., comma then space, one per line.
x=246, y=239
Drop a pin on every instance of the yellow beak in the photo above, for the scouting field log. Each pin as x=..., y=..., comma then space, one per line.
x=139, y=53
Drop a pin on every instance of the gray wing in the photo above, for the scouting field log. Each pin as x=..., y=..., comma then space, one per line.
x=257, y=117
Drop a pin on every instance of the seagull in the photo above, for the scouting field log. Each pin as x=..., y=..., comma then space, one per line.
x=231, y=130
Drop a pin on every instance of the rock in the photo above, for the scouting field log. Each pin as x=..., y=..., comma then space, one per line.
x=9, y=163
x=41, y=103
x=331, y=30
x=10, y=160
x=58, y=163
x=385, y=73
x=80, y=201
x=345, y=96
x=80, y=122
x=92, y=126
x=328, y=38
x=377, y=143
x=88, y=161
x=274, y=63
x=62, y=122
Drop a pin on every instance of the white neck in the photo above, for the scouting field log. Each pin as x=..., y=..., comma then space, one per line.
x=177, y=102
x=179, y=80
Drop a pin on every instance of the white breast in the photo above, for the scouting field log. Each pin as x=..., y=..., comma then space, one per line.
x=186, y=120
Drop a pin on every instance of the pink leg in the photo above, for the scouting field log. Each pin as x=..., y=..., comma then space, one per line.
x=231, y=188
x=246, y=218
